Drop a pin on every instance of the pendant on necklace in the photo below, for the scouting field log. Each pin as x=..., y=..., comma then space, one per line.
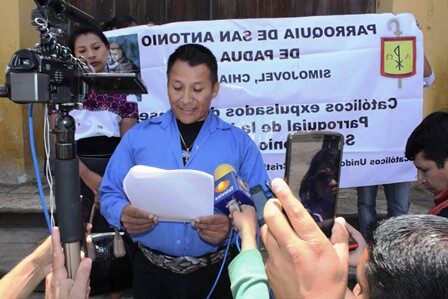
x=185, y=155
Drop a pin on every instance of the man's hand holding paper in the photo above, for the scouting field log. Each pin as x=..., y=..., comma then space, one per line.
x=137, y=221
x=214, y=228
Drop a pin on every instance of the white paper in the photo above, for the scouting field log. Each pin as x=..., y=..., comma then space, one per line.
x=178, y=195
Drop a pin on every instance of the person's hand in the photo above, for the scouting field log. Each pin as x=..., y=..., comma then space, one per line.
x=302, y=262
x=213, y=228
x=41, y=258
x=57, y=283
x=137, y=221
x=245, y=222
x=244, y=219
x=355, y=255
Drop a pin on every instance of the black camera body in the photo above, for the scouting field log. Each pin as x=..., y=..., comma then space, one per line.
x=49, y=73
x=34, y=77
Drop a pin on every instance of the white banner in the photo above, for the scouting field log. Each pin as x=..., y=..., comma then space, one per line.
x=360, y=75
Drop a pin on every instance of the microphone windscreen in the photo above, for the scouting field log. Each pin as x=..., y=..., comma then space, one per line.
x=222, y=170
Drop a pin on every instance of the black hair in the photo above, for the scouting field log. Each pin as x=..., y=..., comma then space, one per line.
x=327, y=156
x=431, y=138
x=80, y=30
x=118, y=22
x=195, y=54
x=408, y=257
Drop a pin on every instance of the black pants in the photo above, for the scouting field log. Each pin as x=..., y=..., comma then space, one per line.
x=151, y=281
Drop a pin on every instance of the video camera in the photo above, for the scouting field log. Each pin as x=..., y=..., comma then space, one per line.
x=49, y=73
x=33, y=77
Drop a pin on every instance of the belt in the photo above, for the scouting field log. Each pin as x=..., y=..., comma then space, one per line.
x=181, y=264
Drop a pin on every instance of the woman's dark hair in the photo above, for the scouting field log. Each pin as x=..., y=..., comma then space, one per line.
x=431, y=138
x=328, y=157
x=195, y=54
x=85, y=30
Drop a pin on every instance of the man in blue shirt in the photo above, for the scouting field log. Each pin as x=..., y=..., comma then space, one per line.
x=180, y=260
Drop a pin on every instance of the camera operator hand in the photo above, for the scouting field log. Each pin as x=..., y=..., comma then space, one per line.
x=57, y=283
x=137, y=221
x=303, y=262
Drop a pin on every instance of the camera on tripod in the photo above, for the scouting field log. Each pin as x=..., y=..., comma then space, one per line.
x=49, y=73
x=33, y=77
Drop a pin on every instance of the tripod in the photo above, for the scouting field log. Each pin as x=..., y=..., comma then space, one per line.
x=67, y=188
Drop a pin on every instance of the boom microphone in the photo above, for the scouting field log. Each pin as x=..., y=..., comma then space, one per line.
x=62, y=7
x=230, y=189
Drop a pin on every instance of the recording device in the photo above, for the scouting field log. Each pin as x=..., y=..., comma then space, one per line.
x=36, y=77
x=313, y=163
x=33, y=77
x=259, y=197
x=230, y=189
x=49, y=74
x=63, y=8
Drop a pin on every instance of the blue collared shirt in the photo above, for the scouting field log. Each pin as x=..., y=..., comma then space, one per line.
x=156, y=143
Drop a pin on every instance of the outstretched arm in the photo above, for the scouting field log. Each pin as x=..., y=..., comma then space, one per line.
x=21, y=281
x=245, y=222
x=246, y=271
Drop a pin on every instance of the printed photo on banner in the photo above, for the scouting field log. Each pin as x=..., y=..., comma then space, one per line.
x=124, y=54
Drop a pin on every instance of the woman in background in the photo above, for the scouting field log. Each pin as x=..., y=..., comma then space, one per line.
x=104, y=119
x=102, y=122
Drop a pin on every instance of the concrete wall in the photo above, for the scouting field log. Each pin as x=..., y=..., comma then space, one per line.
x=17, y=33
x=433, y=18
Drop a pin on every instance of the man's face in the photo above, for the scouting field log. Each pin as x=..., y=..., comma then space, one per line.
x=116, y=54
x=190, y=91
x=361, y=290
x=434, y=179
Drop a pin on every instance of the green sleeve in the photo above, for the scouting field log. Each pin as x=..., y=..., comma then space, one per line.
x=247, y=276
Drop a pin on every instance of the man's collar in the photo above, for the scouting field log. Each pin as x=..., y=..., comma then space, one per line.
x=441, y=196
x=212, y=122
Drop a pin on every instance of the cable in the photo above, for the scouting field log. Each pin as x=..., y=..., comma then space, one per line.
x=237, y=242
x=36, y=167
x=48, y=174
x=222, y=265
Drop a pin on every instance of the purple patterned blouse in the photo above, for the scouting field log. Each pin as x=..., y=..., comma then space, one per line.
x=115, y=103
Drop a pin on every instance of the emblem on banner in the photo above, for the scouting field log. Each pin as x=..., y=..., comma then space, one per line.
x=398, y=54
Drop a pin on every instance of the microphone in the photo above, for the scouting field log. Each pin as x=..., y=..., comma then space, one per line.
x=60, y=6
x=230, y=189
